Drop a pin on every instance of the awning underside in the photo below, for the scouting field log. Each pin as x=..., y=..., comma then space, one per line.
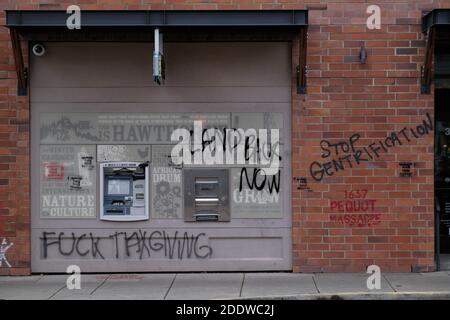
x=185, y=25
x=436, y=26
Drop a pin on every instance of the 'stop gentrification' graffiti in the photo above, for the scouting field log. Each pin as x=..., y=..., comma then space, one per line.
x=343, y=155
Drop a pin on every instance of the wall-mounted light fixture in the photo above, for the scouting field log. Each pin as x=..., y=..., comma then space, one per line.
x=363, y=55
x=158, y=59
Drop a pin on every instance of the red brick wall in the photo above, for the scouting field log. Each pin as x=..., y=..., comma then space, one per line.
x=344, y=97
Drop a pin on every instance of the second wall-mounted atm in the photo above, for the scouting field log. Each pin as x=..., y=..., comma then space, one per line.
x=206, y=195
x=124, y=194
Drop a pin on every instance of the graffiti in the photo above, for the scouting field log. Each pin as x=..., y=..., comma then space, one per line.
x=248, y=142
x=356, y=194
x=252, y=203
x=347, y=155
x=302, y=183
x=143, y=243
x=355, y=202
x=4, y=247
x=357, y=208
x=357, y=220
x=350, y=206
x=252, y=147
x=406, y=169
x=273, y=183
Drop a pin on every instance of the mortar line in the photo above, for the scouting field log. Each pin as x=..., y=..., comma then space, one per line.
x=315, y=284
x=242, y=284
x=101, y=284
x=170, y=287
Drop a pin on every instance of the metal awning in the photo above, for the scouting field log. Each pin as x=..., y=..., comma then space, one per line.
x=437, y=17
x=129, y=25
x=160, y=19
x=436, y=27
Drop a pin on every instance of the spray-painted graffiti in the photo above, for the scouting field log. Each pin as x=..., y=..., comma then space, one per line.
x=357, y=220
x=140, y=244
x=302, y=183
x=255, y=195
x=346, y=154
x=212, y=147
x=355, y=201
x=357, y=209
x=271, y=183
x=4, y=247
x=406, y=169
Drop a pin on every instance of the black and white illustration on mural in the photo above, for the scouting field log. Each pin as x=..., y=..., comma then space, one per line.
x=255, y=195
x=85, y=167
x=65, y=129
x=166, y=189
x=167, y=201
x=68, y=181
x=121, y=153
x=4, y=247
x=126, y=128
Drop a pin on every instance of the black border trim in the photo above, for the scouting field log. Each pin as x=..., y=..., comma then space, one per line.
x=434, y=18
x=160, y=18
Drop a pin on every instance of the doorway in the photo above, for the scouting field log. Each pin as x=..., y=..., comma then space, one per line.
x=442, y=178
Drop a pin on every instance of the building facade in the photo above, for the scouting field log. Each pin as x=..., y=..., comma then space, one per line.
x=355, y=185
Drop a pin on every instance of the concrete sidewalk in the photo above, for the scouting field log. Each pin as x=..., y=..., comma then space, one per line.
x=192, y=286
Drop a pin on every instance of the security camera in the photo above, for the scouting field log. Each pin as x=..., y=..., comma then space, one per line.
x=39, y=49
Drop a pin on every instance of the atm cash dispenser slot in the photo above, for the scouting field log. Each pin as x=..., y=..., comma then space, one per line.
x=206, y=195
x=124, y=191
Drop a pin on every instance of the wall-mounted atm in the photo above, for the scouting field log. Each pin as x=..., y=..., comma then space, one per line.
x=124, y=191
x=206, y=196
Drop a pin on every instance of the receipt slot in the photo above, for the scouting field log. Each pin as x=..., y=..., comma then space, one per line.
x=206, y=196
x=124, y=191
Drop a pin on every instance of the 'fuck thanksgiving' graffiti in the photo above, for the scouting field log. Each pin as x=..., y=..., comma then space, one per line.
x=140, y=243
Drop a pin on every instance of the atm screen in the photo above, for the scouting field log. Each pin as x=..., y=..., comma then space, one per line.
x=118, y=187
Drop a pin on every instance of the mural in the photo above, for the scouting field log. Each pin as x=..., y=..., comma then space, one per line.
x=255, y=195
x=121, y=153
x=68, y=181
x=73, y=143
x=166, y=188
x=122, y=128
